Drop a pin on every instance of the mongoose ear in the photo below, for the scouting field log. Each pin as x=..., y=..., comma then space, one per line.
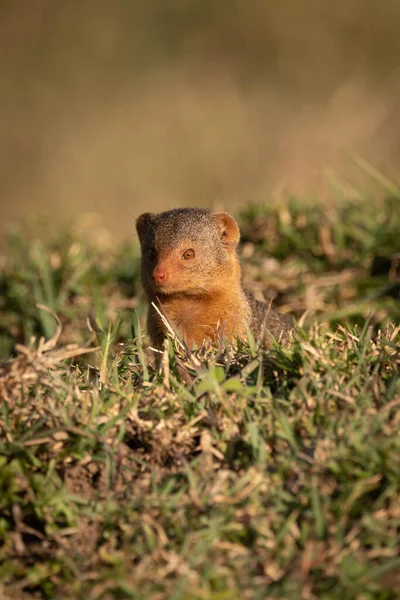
x=142, y=224
x=228, y=229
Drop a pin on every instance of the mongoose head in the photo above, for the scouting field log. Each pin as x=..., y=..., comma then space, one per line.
x=188, y=251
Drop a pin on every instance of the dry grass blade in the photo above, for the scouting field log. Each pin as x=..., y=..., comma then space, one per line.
x=50, y=344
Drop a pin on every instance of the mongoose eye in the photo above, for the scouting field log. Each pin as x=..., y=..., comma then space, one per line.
x=188, y=254
x=152, y=254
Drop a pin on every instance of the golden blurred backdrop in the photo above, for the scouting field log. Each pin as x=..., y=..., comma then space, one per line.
x=119, y=106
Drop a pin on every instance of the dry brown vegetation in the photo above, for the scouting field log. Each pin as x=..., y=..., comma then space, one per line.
x=127, y=105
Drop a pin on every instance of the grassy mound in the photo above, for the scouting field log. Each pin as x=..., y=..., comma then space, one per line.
x=222, y=474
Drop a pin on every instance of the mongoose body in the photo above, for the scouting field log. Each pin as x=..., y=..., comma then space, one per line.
x=191, y=271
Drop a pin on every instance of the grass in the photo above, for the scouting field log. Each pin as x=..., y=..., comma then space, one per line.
x=220, y=475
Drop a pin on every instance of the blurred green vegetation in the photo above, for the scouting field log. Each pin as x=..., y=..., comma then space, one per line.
x=336, y=261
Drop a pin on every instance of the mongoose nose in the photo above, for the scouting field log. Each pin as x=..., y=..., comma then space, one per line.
x=159, y=275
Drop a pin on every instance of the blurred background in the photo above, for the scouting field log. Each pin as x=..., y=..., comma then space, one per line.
x=120, y=106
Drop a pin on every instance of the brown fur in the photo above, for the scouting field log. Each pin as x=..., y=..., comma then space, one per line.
x=200, y=295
